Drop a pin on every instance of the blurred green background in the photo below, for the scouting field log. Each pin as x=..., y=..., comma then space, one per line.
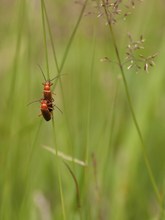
x=96, y=125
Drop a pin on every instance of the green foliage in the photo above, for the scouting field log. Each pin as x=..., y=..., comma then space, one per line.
x=96, y=127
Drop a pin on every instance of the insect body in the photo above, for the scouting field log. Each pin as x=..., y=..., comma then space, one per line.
x=47, y=102
x=48, y=94
x=45, y=110
x=47, y=91
x=47, y=87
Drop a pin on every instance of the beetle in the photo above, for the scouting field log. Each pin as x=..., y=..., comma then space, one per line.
x=47, y=87
x=47, y=102
x=47, y=93
x=45, y=110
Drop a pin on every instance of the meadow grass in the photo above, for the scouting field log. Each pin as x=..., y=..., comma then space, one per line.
x=96, y=126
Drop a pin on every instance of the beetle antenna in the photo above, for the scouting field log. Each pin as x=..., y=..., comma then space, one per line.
x=58, y=108
x=33, y=102
x=59, y=75
x=42, y=72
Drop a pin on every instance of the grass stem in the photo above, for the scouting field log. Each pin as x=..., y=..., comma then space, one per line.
x=58, y=172
x=43, y=9
x=45, y=41
x=147, y=163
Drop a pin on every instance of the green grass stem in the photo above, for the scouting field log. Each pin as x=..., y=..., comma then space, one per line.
x=73, y=35
x=54, y=134
x=27, y=171
x=147, y=163
x=5, y=197
x=60, y=68
x=45, y=41
x=58, y=171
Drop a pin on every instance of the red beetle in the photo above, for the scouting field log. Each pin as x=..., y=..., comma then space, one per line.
x=47, y=87
x=47, y=105
x=45, y=110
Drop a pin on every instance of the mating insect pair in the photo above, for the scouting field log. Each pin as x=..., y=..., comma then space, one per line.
x=47, y=102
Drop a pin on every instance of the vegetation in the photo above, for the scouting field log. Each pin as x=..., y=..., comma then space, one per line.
x=103, y=156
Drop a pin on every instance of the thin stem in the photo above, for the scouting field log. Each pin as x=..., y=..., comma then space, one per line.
x=7, y=179
x=47, y=64
x=147, y=163
x=28, y=171
x=72, y=36
x=51, y=38
x=110, y=147
x=58, y=172
x=45, y=42
x=60, y=68
x=90, y=98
